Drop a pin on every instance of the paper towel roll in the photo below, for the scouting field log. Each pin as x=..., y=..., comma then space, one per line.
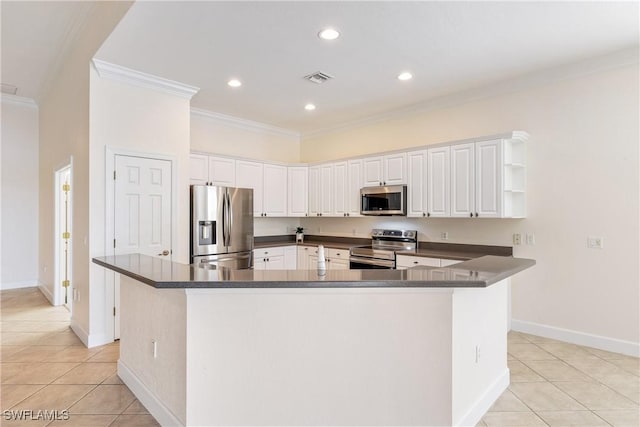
x=322, y=265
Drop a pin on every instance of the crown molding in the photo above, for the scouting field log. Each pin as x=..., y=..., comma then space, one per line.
x=19, y=101
x=119, y=73
x=244, y=124
x=618, y=59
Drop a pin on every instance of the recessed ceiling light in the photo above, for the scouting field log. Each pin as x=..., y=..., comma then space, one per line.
x=234, y=83
x=405, y=76
x=329, y=34
x=309, y=107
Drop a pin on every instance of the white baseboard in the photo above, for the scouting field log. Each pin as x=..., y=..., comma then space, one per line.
x=614, y=345
x=482, y=405
x=160, y=412
x=80, y=332
x=19, y=285
x=89, y=340
x=47, y=293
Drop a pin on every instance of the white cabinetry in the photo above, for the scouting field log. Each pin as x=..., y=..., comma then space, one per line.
x=276, y=258
x=340, y=180
x=417, y=183
x=438, y=182
x=298, y=190
x=274, y=200
x=385, y=170
x=268, y=182
x=303, y=257
x=212, y=170
x=407, y=261
x=488, y=170
x=354, y=184
x=320, y=190
x=337, y=259
x=463, y=180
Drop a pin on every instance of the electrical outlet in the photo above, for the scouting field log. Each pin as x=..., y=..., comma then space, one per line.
x=353, y=231
x=517, y=239
x=477, y=353
x=595, y=243
x=154, y=348
x=530, y=238
x=76, y=294
x=444, y=235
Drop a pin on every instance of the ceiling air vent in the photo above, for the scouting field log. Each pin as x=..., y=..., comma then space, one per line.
x=318, y=77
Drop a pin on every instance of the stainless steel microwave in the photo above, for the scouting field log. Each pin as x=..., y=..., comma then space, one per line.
x=384, y=200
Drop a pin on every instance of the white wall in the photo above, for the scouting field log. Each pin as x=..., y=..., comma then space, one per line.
x=582, y=181
x=19, y=265
x=64, y=133
x=138, y=120
x=211, y=134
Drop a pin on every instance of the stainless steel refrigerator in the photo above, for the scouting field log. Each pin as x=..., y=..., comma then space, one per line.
x=222, y=226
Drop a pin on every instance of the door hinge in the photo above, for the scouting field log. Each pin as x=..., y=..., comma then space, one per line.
x=114, y=175
x=114, y=243
x=114, y=311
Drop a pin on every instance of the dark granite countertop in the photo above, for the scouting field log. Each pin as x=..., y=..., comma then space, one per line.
x=161, y=273
x=454, y=251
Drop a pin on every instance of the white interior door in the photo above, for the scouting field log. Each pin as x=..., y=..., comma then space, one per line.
x=142, y=212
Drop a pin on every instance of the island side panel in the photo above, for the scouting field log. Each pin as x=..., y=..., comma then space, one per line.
x=147, y=315
x=319, y=357
x=480, y=371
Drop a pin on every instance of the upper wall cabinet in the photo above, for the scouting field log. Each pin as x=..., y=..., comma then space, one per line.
x=438, y=182
x=212, y=170
x=354, y=184
x=321, y=190
x=268, y=182
x=385, y=170
x=298, y=191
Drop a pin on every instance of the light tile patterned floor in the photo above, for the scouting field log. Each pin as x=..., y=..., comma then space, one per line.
x=554, y=383
x=44, y=366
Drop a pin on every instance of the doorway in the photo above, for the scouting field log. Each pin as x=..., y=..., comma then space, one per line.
x=63, y=285
x=141, y=208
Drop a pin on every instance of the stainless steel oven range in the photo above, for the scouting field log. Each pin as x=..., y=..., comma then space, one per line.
x=381, y=254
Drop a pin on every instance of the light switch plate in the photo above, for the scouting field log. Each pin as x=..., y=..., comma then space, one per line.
x=517, y=239
x=595, y=242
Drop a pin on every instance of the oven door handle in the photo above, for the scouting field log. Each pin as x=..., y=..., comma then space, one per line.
x=370, y=261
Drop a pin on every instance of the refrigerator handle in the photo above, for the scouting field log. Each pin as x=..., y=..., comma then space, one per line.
x=229, y=220
x=224, y=219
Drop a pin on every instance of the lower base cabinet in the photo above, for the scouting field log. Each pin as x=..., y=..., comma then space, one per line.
x=276, y=258
x=406, y=261
x=336, y=259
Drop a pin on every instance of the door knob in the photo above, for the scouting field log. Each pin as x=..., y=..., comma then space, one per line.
x=164, y=253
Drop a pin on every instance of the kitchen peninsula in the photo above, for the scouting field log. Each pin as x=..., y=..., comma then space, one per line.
x=423, y=346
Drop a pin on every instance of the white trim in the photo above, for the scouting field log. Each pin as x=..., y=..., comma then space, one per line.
x=119, y=73
x=79, y=331
x=248, y=125
x=611, y=61
x=47, y=293
x=20, y=101
x=482, y=405
x=160, y=412
x=614, y=345
x=20, y=284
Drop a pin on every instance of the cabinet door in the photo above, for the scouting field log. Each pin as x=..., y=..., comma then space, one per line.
x=463, y=197
x=395, y=171
x=303, y=258
x=314, y=191
x=298, y=190
x=290, y=258
x=338, y=264
x=438, y=196
x=340, y=189
x=275, y=190
x=275, y=263
x=489, y=170
x=372, y=171
x=198, y=169
x=417, y=183
x=326, y=188
x=222, y=171
x=249, y=175
x=352, y=195
x=259, y=263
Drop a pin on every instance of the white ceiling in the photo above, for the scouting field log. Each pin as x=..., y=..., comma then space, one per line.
x=35, y=38
x=449, y=47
